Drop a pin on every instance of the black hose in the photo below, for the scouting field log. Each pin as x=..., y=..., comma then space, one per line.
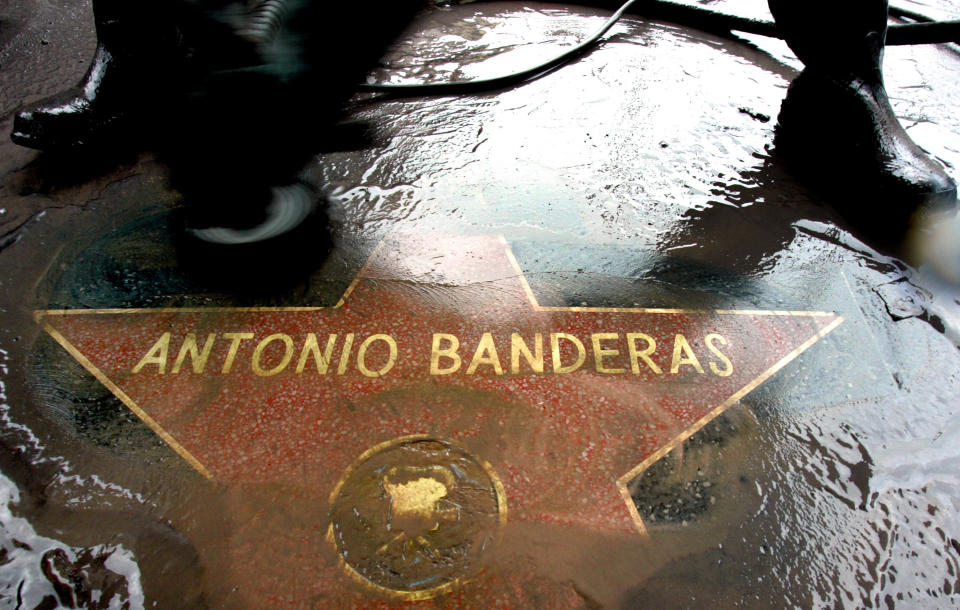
x=926, y=31
x=932, y=32
x=904, y=13
x=694, y=16
x=497, y=82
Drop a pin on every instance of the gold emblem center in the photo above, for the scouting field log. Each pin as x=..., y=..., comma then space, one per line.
x=415, y=516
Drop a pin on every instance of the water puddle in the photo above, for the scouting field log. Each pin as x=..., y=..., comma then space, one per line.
x=581, y=342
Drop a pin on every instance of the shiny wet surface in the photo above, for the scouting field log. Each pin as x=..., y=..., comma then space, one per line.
x=639, y=176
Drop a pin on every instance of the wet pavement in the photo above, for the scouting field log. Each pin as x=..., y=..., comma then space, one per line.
x=756, y=408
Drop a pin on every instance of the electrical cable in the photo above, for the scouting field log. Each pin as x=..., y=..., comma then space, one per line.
x=497, y=82
x=930, y=32
x=927, y=28
x=925, y=31
x=904, y=13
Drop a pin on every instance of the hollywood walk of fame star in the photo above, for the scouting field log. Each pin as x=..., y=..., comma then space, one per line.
x=438, y=339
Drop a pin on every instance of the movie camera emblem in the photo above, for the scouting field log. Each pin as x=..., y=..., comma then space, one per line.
x=415, y=516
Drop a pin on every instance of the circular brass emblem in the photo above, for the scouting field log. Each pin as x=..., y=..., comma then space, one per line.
x=414, y=516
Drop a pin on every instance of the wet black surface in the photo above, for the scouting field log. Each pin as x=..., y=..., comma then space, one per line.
x=640, y=175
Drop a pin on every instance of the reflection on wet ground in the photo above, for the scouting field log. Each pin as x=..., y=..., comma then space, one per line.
x=638, y=177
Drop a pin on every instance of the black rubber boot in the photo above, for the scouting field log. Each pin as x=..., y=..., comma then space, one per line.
x=130, y=75
x=837, y=129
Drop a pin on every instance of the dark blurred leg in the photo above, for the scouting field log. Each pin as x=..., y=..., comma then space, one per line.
x=239, y=96
x=836, y=125
x=243, y=137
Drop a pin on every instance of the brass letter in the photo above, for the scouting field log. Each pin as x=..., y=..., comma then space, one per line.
x=599, y=352
x=198, y=359
x=362, y=352
x=680, y=343
x=645, y=354
x=157, y=355
x=728, y=366
x=310, y=347
x=518, y=347
x=449, y=352
x=486, y=354
x=555, y=349
x=235, y=338
x=287, y=355
x=345, y=354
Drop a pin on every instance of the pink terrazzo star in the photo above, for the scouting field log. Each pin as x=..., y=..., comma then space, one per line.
x=440, y=337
